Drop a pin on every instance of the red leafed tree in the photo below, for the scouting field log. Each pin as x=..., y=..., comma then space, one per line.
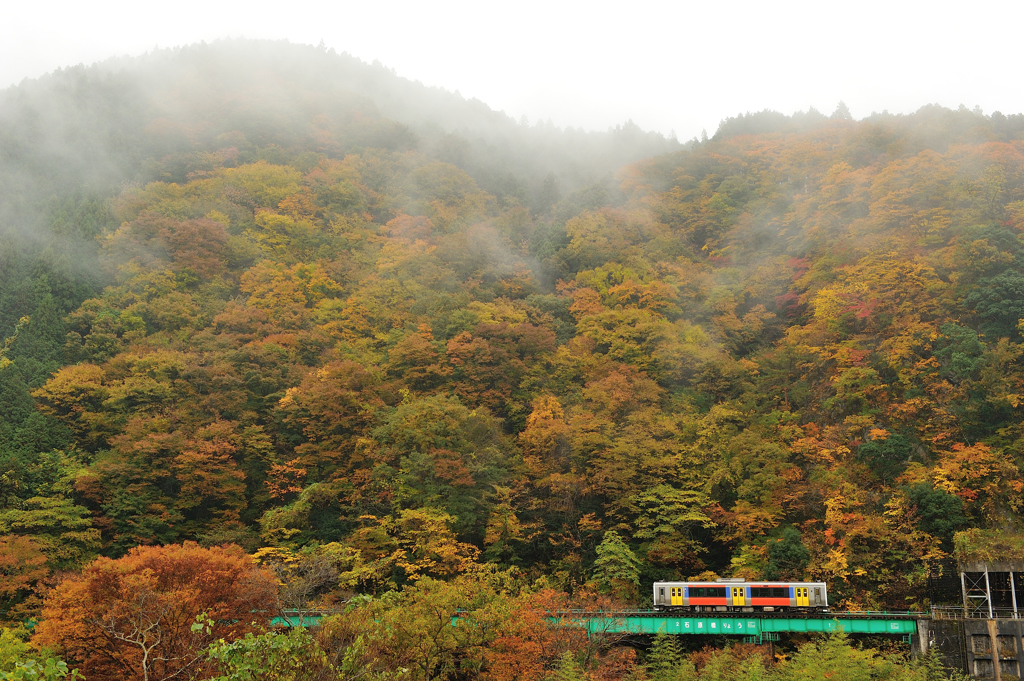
x=132, y=618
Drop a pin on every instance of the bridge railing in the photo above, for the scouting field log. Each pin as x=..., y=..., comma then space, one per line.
x=956, y=612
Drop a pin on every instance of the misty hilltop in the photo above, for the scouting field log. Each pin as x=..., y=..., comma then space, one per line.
x=161, y=117
x=263, y=295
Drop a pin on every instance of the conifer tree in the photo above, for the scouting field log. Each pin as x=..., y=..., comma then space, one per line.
x=617, y=569
x=567, y=669
x=666, y=662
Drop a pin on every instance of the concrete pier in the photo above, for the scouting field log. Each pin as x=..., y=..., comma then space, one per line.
x=984, y=648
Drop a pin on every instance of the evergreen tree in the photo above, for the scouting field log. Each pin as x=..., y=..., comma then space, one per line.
x=567, y=669
x=787, y=556
x=617, y=569
x=666, y=662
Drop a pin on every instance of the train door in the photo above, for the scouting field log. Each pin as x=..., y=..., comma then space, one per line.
x=737, y=596
x=801, y=596
x=817, y=595
x=676, y=595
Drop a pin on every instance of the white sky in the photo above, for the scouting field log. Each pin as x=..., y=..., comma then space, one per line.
x=679, y=66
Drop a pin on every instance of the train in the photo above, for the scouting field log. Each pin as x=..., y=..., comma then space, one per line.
x=739, y=595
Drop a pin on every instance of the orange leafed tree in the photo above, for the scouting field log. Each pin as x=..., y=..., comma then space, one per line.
x=131, y=618
x=533, y=636
x=22, y=567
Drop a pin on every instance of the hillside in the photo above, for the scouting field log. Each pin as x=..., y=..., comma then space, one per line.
x=276, y=298
x=161, y=116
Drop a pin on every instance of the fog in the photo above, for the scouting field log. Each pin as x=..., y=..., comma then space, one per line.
x=679, y=67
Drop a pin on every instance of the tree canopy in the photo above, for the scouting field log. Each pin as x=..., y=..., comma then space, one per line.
x=383, y=338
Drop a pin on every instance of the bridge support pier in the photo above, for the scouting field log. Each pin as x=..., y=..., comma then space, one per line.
x=921, y=641
x=984, y=648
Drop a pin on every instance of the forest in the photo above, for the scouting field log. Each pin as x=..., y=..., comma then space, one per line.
x=283, y=331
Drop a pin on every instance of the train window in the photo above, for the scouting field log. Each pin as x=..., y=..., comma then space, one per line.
x=707, y=592
x=661, y=591
x=769, y=592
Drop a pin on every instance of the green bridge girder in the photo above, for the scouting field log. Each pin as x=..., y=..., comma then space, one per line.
x=743, y=626
x=762, y=628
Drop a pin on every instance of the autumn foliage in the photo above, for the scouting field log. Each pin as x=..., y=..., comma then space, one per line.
x=132, y=618
x=391, y=361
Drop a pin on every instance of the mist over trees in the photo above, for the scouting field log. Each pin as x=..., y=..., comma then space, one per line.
x=283, y=316
x=179, y=111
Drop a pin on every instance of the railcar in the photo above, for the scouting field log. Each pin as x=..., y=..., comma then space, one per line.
x=738, y=595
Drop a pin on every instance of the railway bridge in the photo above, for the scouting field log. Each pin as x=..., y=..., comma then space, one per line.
x=964, y=639
x=756, y=627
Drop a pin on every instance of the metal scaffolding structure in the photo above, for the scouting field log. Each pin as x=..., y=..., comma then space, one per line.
x=990, y=594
